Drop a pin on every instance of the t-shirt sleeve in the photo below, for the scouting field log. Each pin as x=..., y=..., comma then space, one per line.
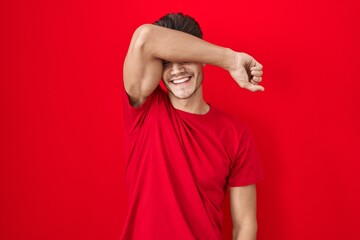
x=246, y=167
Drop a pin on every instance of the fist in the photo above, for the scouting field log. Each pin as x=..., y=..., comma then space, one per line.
x=247, y=72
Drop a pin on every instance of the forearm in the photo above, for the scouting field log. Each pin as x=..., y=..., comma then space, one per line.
x=176, y=46
x=151, y=44
x=245, y=233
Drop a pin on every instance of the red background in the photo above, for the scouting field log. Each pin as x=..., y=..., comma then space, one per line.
x=61, y=118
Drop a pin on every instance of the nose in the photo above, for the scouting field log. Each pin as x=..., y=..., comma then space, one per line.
x=176, y=68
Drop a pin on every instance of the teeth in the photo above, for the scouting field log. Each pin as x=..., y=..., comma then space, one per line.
x=181, y=80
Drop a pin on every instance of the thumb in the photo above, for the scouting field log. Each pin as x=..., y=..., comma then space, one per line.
x=253, y=87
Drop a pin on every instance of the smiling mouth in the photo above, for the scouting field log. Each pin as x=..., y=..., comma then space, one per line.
x=181, y=80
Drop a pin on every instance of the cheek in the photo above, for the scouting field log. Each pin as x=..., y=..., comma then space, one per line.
x=164, y=76
x=199, y=75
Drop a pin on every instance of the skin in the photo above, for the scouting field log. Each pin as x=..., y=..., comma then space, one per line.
x=243, y=212
x=177, y=58
x=186, y=96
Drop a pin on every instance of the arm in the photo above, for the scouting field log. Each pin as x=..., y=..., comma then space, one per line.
x=243, y=212
x=151, y=44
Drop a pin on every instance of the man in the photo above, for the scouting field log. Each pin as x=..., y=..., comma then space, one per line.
x=182, y=153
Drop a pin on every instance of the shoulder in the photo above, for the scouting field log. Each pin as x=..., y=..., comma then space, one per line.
x=157, y=96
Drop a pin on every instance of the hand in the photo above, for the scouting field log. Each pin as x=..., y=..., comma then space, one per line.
x=247, y=72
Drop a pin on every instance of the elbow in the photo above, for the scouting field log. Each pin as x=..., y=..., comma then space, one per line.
x=247, y=229
x=141, y=36
x=248, y=226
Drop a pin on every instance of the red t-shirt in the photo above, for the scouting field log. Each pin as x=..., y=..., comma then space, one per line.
x=178, y=167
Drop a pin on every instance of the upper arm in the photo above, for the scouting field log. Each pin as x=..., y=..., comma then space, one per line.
x=141, y=71
x=243, y=206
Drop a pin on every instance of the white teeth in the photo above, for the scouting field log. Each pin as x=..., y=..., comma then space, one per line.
x=181, y=80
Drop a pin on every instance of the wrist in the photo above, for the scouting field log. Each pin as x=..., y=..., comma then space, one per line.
x=230, y=59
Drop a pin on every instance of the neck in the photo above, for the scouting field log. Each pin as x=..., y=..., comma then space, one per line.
x=195, y=104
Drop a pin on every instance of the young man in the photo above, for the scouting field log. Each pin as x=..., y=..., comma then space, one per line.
x=182, y=153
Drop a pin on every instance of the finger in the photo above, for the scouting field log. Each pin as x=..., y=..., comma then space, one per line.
x=253, y=87
x=256, y=88
x=256, y=79
x=257, y=67
x=257, y=73
x=253, y=82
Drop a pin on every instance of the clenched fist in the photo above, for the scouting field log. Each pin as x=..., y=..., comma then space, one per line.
x=247, y=72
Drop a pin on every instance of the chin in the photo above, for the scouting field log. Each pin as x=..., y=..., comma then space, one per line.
x=183, y=95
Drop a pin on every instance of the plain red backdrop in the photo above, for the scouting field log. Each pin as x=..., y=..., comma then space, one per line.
x=61, y=169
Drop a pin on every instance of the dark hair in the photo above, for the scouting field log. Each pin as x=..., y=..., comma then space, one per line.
x=180, y=22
